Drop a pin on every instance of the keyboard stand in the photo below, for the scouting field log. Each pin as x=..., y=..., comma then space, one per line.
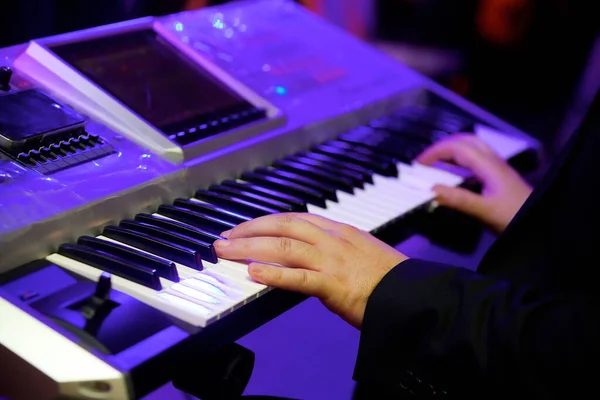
x=221, y=375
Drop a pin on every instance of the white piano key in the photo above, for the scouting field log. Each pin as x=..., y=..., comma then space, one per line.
x=337, y=212
x=237, y=272
x=204, y=296
x=233, y=272
x=399, y=193
x=432, y=174
x=383, y=197
x=220, y=306
x=373, y=214
x=229, y=273
x=361, y=208
x=194, y=295
x=182, y=270
x=335, y=216
x=249, y=289
x=369, y=197
x=367, y=221
x=380, y=217
x=371, y=205
x=376, y=204
x=198, y=315
x=185, y=304
x=215, y=289
x=505, y=146
x=231, y=213
x=204, y=289
x=397, y=186
x=391, y=197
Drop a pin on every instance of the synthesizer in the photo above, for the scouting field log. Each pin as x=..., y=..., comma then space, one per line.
x=125, y=150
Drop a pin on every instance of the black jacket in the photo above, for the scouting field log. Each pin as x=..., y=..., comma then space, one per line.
x=526, y=323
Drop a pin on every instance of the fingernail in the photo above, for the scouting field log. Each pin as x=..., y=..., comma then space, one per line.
x=226, y=233
x=438, y=189
x=441, y=194
x=222, y=243
x=255, y=269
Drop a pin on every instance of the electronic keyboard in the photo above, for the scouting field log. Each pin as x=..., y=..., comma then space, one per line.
x=137, y=144
x=166, y=258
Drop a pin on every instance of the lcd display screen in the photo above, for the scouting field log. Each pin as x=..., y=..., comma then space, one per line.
x=30, y=113
x=151, y=77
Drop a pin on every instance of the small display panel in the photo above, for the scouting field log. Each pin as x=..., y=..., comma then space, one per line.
x=31, y=113
x=153, y=78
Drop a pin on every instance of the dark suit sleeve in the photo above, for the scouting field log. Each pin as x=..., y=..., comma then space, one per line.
x=469, y=334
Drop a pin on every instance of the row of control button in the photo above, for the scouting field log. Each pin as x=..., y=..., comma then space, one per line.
x=216, y=126
x=67, y=153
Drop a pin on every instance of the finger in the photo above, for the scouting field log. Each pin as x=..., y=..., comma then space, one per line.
x=322, y=222
x=463, y=154
x=335, y=230
x=447, y=149
x=470, y=139
x=290, y=225
x=462, y=200
x=303, y=281
x=479, y=144
x=276, y=250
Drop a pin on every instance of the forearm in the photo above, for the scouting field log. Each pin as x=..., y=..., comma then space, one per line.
x=456, y=328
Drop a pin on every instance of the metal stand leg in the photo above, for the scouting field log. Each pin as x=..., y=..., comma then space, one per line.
x=223, y=375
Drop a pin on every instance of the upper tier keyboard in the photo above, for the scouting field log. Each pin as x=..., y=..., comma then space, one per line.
x=364, y=177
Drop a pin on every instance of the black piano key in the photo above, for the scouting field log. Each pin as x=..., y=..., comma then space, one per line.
x=106, y=262
x=162, y=248
x=179, y=227
x=164, y=268
x=197, y=219
x=401, y=127
x=318, y=174
x=449, y=122
x=434, y=118
x=298, y=204
x=286, y=186
x=202, y=249
x=408, y=129
x=366, y=174
x=253, y=197
x=235, y=203
x=328, y=191
x=374, y=155
x=354, y=177
x=382, y=168
x=346, y=155
x=403, y=149
x=211, y=209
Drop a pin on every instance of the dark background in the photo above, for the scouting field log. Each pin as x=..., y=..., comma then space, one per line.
x=528, y=79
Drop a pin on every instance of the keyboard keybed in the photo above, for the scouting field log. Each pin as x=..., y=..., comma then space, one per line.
x=167, y=259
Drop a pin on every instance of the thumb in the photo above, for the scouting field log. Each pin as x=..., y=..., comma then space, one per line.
x=462, y=200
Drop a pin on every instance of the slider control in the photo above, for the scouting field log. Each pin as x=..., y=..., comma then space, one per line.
x=99, y=305
x=5, y=76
